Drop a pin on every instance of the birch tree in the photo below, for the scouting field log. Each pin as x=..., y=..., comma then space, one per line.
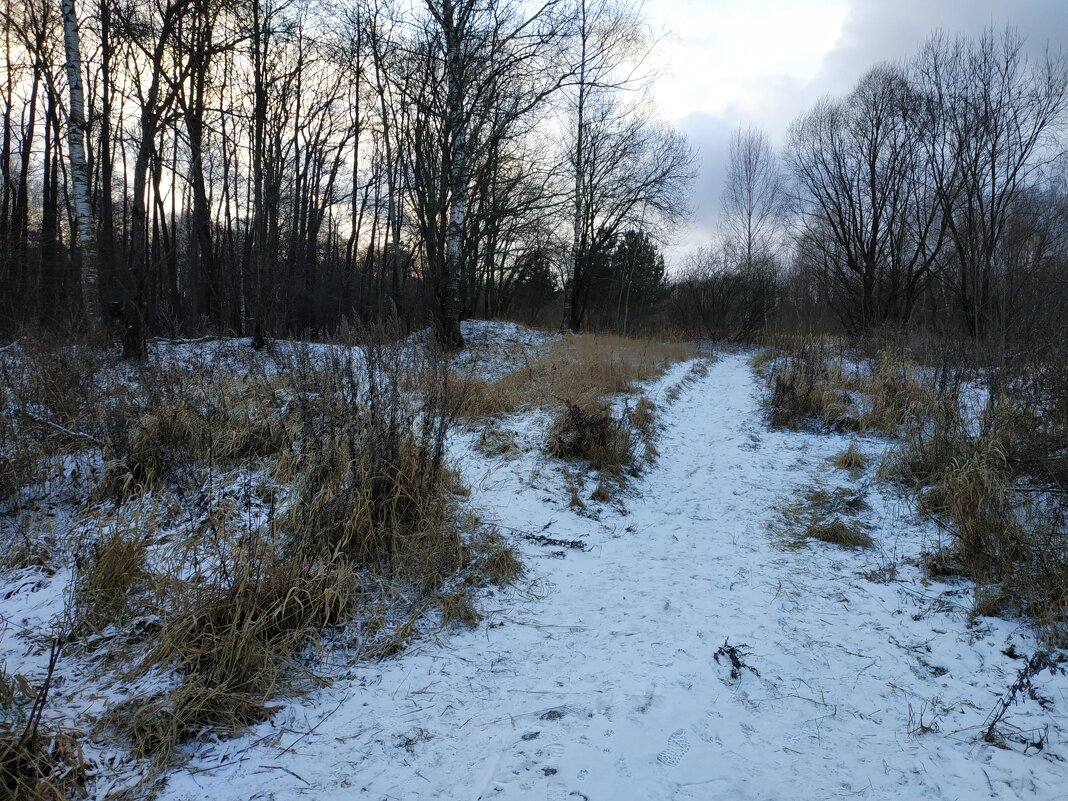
x=79, y=171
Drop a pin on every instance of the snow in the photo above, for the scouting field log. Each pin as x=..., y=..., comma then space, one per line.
x=494, y=349
x=596, y=676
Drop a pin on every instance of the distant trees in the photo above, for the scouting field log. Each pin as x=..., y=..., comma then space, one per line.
x=627, y=168
x=915, y=193
x=869, y=221
x=994, y=121
x=932, y=194
x=270, y=167
x=625, y=280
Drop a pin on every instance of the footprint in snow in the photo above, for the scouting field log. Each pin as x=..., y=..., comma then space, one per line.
x=556, y=792
x=677, y=747
x=552, y=752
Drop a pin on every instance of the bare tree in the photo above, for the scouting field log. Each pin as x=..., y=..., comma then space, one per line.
x=634, y=171
x=868, y=222
x=753, y=196
x=992, y=117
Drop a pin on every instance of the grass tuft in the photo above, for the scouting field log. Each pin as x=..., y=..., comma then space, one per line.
x=851, y=459
x=837, y=531
x=111, y=575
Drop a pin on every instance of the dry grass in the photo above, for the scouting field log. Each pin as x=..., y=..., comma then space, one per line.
x=497, y=441
x=763, y=358
x=110, y=576
x=807, y=390
x=348, y=513
x=897, y=396
x=977, y=480
x=233, y=642
x=576, y=376
x=851, y=459
x=837, y=531
x=367, y=506
x=48, y=766
x=827, y=515
x=209, y=420
x=592, y=433
x=494, y=558
x=37, y=763
x=840, y=500
x=578, y=368
x=458, y=607
x=602, y=493
x=810, y=386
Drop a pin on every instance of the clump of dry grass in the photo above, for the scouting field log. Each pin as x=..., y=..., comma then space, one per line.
x=234, y=641
x=497, y=441
x=897, y=396
x=837, y=531
x=494, y=558
x=14, y=471
x=109, y=576
x=828, y=516
x=592, y=433
x=763, y=358
x=807, y=390
x=840, y=500
x=642, y=419
x=851, y=459
x=601, y=493
x=458, y=607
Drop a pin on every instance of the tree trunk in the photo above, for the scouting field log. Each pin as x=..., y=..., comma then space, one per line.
x=78, y=170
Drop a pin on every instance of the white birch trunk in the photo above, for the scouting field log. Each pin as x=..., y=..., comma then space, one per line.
x=78, y=169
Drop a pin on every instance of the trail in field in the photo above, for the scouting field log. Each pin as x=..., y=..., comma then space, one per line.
x=598, y=679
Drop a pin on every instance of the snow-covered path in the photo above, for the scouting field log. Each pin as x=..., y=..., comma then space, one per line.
x=597, y=679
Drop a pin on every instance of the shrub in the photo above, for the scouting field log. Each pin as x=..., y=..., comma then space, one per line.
x=593, y=434
x=371, y=481
x=806, y=391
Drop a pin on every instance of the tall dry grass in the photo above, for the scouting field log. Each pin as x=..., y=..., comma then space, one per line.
x=292, y=501
x=580, y=368
x=993, y=478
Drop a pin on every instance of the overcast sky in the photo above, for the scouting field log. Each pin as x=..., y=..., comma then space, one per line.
x=737, y=62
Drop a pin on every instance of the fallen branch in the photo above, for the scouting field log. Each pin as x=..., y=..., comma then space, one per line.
x=61, y=429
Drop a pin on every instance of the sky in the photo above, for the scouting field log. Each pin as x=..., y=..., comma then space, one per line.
x=729, y=63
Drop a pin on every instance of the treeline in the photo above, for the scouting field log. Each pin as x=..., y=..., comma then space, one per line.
x=268, y=167
x=933, y=196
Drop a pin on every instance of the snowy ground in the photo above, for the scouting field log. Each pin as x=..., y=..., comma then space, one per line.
x=596, y=678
